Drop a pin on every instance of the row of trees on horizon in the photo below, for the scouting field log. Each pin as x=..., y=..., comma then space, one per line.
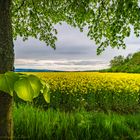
x=130, y=63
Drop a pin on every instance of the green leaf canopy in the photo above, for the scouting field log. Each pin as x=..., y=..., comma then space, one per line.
x=108, y=22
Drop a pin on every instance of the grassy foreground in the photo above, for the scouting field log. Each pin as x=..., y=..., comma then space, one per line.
x=37, y=124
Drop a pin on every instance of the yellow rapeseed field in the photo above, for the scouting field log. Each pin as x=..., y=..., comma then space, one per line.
x=71, y=82
x=93, y=89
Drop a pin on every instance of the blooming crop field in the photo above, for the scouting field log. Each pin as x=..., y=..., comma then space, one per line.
x=93, y=90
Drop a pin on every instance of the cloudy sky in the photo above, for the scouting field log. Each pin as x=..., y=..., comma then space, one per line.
x=74, y=51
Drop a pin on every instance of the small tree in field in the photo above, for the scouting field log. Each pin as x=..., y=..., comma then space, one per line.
x=108, y=23
x=117, y=61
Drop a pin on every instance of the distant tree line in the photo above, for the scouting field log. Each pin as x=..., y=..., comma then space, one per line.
x=131, y=63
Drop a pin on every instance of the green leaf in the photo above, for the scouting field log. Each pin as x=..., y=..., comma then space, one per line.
x=28, y=87
x=23, y=89
x=43, y=85
x=45, y=91
x=35, y=84
x=46, y=94
x=7, y=82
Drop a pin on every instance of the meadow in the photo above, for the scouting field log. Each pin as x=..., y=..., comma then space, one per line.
x=85, y=106
x=36, y=124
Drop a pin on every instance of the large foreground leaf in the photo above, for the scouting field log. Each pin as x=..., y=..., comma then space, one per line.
x=7, y=82
x=35, y=84
x=28, y=87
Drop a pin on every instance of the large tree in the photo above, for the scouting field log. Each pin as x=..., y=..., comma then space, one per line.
x=108, y=22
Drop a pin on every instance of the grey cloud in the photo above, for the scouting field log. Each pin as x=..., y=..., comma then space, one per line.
x=61, y=64
x=71, y=45
x=80, y=62
x=88, y=62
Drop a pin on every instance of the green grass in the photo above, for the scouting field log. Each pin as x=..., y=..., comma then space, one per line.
x=37, y=124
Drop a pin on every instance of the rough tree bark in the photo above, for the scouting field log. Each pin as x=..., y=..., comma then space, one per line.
x=6, y=64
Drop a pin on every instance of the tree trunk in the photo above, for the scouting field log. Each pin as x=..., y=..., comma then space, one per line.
x=6, y=64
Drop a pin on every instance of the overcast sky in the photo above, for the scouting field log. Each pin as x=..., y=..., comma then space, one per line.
x=74, y=51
